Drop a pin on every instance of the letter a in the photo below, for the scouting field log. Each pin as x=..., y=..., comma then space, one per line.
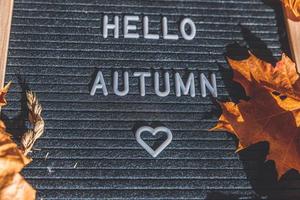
x=99, y=83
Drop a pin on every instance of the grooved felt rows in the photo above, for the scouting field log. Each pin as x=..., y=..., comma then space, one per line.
x=88, y=150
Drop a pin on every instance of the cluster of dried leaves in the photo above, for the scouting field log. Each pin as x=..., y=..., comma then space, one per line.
x=271, y=114
x=13, y=157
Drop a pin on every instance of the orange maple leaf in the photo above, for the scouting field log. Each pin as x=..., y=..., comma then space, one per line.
x=293, y=6
x=271, y=114
x=12, y=160
x=3, y=93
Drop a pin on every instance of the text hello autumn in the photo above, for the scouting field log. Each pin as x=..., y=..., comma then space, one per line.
x=187, y=29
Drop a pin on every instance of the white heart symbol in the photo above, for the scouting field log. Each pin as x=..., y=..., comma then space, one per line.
x=157, y=151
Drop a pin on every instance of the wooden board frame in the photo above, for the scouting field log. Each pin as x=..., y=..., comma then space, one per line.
x=293, y=31
x=6, y=10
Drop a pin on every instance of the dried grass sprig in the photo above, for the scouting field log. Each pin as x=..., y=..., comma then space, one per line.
x=36, y=120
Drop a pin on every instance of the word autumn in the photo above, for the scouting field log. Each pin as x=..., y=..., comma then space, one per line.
x=187, y=28
x=182, y=87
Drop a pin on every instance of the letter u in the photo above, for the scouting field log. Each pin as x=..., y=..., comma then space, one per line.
x=167, y=84
x=116, y=84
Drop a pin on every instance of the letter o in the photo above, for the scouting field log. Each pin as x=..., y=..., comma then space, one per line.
x=182, y=29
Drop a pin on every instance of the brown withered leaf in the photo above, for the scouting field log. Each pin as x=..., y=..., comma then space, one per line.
x=282, y=78
x=3, y=93
x=12, y=160
x=293, y=6
x=15, y=187
x=271, y=114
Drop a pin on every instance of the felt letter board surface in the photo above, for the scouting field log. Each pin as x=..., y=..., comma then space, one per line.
x=89, y=149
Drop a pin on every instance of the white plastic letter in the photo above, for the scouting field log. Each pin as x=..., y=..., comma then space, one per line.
x=116, y=84
x=128, y=27
x=193, y=29
x=99, y=83
x=185, y=88
x=147, y=35
x=142, y=76
x=107, y=26
x=167, y=84
x=165, y=30
x=211, y=87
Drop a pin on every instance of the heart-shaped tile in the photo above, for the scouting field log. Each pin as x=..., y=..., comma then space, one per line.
x=153, y=131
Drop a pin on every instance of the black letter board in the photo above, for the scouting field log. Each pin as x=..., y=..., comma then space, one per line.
x=58, y=47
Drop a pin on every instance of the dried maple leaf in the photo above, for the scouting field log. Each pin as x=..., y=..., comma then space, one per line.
x=271, y=114
x=12, y=160
x=293, y=6
x=3, y=93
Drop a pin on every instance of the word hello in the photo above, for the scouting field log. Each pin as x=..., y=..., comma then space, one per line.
x=182, y=87
x=130, y=28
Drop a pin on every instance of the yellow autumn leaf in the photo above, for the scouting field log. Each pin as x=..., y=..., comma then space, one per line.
x=271, y=114
x=293, y=6
x=12, y=160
